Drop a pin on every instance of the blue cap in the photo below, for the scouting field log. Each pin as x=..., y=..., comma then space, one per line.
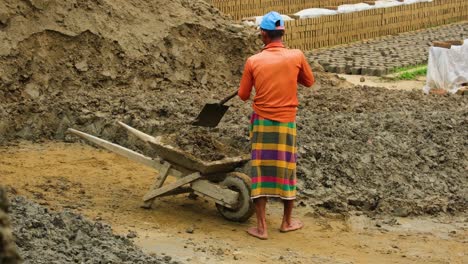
x=269, y=21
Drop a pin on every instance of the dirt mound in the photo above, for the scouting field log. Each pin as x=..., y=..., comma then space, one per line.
x=47, y=237
x=8, y=252
x=86, y=64
x=373, y=149
x=379, y=150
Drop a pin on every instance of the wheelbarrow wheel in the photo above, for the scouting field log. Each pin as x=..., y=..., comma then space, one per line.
x=240, y=183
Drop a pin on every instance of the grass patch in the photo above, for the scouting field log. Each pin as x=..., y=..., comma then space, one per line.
x=412, y=74
x=408, y=73
x=409, y=68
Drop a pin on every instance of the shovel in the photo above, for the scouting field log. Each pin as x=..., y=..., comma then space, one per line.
x=211, y=114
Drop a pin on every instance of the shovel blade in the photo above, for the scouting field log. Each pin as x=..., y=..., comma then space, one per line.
x=210, y=115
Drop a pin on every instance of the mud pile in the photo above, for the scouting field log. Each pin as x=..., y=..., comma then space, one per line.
x=382, y=150
x=8, y=252
x=201, y=145
x=372, y=149
x=89, y=63
x=48, y=237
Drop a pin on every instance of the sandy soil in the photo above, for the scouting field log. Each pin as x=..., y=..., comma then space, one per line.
x=376, y=81
x=108, y=188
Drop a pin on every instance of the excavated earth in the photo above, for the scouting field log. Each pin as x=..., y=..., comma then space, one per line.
x=43, y=236
x=85, y=64
x=8, y=251
x=388, y=151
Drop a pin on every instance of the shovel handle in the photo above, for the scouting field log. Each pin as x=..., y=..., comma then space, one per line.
x=229, y=97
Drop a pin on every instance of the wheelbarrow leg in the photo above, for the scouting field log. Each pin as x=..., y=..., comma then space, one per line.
x=152, y=194
x=158, y=183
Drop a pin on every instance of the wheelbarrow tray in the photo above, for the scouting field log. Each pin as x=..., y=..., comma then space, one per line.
x=190, y=162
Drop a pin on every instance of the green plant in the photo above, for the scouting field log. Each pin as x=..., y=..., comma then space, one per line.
x=409, y=68
x=412, y=74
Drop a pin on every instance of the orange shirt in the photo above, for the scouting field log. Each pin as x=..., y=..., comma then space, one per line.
x=274, y=73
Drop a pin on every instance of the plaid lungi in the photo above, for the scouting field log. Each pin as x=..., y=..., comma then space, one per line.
x=273, y=158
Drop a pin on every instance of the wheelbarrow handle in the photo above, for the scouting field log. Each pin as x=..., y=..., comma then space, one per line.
x=229, y=97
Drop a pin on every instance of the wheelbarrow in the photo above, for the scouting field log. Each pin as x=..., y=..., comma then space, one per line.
x=215, y=180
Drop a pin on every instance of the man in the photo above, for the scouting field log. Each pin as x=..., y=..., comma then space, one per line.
x=274, y=72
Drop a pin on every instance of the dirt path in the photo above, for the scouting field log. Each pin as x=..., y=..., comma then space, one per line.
x=105, y=187
x=375, y=81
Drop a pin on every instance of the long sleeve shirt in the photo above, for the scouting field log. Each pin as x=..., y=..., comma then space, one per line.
x=275, y=72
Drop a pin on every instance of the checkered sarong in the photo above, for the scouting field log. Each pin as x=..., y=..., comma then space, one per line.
x=273, y=158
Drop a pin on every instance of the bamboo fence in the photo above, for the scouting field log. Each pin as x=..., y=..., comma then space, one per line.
x=344, y=28
x=339, y=29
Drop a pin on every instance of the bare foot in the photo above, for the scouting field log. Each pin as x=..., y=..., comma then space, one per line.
x=294, y=225
x=253, y=231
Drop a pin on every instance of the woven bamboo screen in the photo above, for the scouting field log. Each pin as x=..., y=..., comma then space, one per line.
x=312, y=33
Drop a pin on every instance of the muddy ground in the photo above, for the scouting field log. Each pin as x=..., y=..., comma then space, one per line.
x=365, y=148
x=385, y=150
x=8, y=250
x=107, y=188
x=46, y=237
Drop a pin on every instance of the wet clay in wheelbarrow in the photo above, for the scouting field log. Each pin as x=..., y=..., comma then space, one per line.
x=198, y=152
x=202, y=146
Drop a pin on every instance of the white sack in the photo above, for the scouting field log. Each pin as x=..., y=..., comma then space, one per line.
x=383, y=4
x=409, y=2
x=447, y=68
x=318, y=12
x=315, y=12
x=353, y=8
